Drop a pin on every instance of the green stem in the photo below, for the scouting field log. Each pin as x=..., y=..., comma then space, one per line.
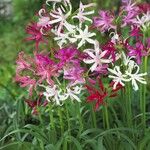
x=68, y=119
x=80, y=118
x=52, y=124
x=129, y=105
x=106, y=117
x=93, y=117
x=61, y=121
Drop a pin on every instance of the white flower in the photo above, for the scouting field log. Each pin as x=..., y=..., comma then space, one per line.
x=83, y=36
x=115, y=37
x=144, y=21
x=96, y=57
x=126, y=59
x=54, y=94
x=62, y=38
x=58, y=1
x=134, y=75
x=118, y=77
x=60, y=18
x=81, y=15
x=73, y=92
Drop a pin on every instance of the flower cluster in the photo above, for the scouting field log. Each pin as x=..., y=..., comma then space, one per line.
x=77, y=57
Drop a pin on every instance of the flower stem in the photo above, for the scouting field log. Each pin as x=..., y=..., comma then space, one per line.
x=93, y=117
x=106, y=117
x=68, y=120
x=61, y=121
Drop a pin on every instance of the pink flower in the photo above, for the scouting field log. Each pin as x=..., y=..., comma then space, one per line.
x=111, y=50
x=67, y=55
x=26, y=81
x=135, y=32
x=104, y=21
x=22, y=64
x=138, y=51
x=36, y=35
x=74, y=73
x=45, y=69
x=144, y=7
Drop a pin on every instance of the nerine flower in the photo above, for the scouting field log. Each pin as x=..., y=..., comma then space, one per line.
x=134, y=75
x=138, y=51
x=96, y=57
x=104, y=21
x=60, y=16
x=118, y=77
x=83, y=37
x=26, y=81
x=58, y=96
x=81, y=15
x=36, y=35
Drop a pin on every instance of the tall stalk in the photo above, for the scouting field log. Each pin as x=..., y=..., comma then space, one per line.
x=93, y=117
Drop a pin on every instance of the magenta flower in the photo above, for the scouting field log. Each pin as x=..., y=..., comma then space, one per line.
x=135, y=32
x=67, y=55
x=104, y=21
x=26, y=81
x=144, y=7
x=36, y=35
x=111, y=50
x=45, y=69
x=138, y=51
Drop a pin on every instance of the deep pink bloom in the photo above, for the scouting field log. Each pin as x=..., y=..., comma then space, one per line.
x=111, y=50
x=26, y=81
x=67, y=54
x=138, y=51
x=148, y=43
x=34, y=30
x=104, y=21
x=144, y=7
x=135, y=32
x=45, y=69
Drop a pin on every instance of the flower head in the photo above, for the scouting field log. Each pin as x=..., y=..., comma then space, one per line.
x=104, y=21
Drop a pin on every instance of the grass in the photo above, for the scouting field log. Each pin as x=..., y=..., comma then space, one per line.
x=121, y=125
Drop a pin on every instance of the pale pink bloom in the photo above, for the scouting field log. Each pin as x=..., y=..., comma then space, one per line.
x=97, y=57
x=22, y=64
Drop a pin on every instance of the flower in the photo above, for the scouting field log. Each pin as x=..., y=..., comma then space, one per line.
x=97, y=57
x=82, y=15
x=74, y=73
x=36, y=35
x=135, y=32
x=54, y=94
x=104, y=21
x=44, y=21
x=45, y=69
x=26, y=81
x=111, y=50
x=73, y=92
x=138, y=51
x=97, y=95
x=83, y=36
x=22, y=64
x=134, y=75
x=60, y=19
x=66, y=55
x=58, y=1
x=118, y=77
